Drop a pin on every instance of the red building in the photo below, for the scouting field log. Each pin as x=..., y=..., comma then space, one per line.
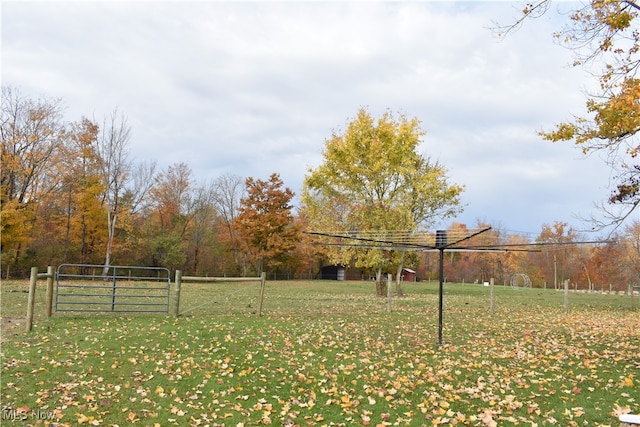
x=408, y=275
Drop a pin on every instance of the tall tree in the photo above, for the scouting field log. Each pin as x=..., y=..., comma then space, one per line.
x=171, y=215
x=85, y=186
x=31, y=131
x=229, y=191
x=560, y=259
x=627, y=265
x=266, y=229
x=201, y=232
x=611, y=266
x=605, y=36
x=115, y=168
x=372, y=178
x=173, y=197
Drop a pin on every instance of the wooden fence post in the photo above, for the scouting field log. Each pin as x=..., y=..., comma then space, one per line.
x=176, y=293
x=49, y=298
x=263, y=280
x=491, y=295
x=566, y=296
x=389, y=292
x=32, y=297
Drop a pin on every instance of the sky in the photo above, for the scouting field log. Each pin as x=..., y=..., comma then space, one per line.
x=255, y=88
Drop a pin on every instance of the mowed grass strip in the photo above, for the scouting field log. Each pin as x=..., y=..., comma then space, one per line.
x=329, y=353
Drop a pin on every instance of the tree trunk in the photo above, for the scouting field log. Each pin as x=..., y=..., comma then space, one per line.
x=67, y=236
x=399, y=281
x=196, y=259
x=83, y=241
x=588, y=277
x=111, y=227
x=379, y=290
x=399, y=275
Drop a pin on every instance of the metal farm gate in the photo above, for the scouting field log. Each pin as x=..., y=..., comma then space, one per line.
x=98, y=288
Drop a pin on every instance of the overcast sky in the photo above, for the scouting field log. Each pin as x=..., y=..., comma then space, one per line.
x=253, y=88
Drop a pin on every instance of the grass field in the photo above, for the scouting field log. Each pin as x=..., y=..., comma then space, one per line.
x=326, y=353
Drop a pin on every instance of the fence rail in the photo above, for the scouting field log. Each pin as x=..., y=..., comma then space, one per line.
x=180, y=279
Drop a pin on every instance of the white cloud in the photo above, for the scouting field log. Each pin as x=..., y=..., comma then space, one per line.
x=253, y=88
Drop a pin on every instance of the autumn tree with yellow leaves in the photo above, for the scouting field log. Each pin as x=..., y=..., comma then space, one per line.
x=31, y=134
x=373, y=179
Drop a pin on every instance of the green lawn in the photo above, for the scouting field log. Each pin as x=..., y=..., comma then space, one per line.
x=327, y=353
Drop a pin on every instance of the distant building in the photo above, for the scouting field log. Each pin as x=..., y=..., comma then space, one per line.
x=408, y=275
x=332, y=272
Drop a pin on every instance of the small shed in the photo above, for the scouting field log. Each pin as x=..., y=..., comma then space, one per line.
x=408, y=275
x=332, y=272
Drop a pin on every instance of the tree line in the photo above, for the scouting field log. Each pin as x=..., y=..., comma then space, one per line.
x=558, y=253
x=71, y=193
